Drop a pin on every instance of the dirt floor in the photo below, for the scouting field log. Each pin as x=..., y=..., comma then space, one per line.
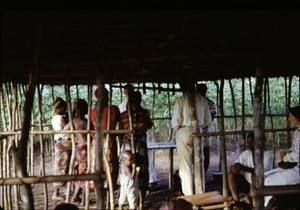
x=153, y=199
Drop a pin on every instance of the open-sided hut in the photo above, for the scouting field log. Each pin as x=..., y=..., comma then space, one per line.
x=120, y=46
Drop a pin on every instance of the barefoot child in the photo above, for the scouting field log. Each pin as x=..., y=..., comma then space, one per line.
x=129, y=189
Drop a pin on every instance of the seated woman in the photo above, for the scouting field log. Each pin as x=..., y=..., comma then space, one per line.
x=288, y=172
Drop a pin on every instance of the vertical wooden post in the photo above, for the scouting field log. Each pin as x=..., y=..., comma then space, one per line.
x=42, y=166
x=99, y=187
x=238, y=149
x=198, y=165
x=258, y=122
x=73, y=154
x=223, y=139
x=87, y=183
x=243, y=111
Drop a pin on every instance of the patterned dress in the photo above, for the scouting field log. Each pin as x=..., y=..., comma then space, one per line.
x=141, y=123
x=111, y=145
x=62, y=151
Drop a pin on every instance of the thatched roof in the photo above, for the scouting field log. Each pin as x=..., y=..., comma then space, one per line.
x=149, y=45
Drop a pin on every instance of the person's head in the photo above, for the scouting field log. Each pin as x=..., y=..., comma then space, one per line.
x=128, y=88
x=187, y=85
x=201, y=89
x=250, y=141
x=81, y=106
x=105, y=96
x=135, y=98
x=66, y=206
x=294, y=116
x=59, y=106
x=127, y=157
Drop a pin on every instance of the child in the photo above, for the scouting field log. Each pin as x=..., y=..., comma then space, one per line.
x=129, y=189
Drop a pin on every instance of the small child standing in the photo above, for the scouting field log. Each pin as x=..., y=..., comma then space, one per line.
x=129, y=189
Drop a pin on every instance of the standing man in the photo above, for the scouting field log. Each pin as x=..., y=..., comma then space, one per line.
x=153, y=185
x=202, y=89
x=191, y=113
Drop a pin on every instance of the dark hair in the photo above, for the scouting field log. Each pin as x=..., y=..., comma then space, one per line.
x=135, y=98
x=61, y=102
x=82, y=105
x=250, y=135
x=201, y=88
x=128, y=85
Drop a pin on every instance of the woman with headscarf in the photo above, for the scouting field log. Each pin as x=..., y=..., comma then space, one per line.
x=62, y=146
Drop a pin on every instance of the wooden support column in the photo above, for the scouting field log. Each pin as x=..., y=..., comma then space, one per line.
x=258, y=135
x=99, y=184
x=223, y=143
x=73, y=154
x=42, y=166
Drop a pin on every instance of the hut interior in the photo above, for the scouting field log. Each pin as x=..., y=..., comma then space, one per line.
x=113, y=47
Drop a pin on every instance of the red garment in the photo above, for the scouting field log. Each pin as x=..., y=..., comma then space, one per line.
x=114, y=117
x=112, y=155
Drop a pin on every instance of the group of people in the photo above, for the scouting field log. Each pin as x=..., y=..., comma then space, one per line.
x=133, y=184
x=193, y=113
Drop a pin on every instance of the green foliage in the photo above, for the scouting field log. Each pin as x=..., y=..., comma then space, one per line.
x=276, y=103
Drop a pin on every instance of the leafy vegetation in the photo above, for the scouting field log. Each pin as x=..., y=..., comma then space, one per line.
x=161, y=112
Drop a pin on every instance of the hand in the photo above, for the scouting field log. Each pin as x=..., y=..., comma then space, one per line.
x=236, y=167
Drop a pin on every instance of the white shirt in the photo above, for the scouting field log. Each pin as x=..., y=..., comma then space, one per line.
x=57, y=126
x=245, y=158
x=181, y=113
x=293, y=153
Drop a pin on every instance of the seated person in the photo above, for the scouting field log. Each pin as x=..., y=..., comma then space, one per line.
x=288, y=161
x=240, y=174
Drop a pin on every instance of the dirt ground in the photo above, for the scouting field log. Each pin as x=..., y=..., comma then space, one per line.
x=154, y=199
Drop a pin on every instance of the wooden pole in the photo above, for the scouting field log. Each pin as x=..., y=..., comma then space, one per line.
x=99, y=187
x=87, y=185
x=223, y=139
x=258, y=123
x=243, y=112
x=73, y=153
x=238, y=149
x=42, y=166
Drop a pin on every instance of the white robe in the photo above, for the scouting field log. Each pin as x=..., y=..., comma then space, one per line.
x=290, y=176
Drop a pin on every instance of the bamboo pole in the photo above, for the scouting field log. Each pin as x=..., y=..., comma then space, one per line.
x=289, y=105
x=258, y=129
x=153, y=129
x=238, y=149
x=99, y=188
x=5, y=133
x=72, y=159
x=87, y=186
x=218, y=122
x=243, y=112
x=48, y=179
x=271, y=119
x=42, y=163
x=171, y=151
x=110, y=184
x=3, y=146
x=223, y=144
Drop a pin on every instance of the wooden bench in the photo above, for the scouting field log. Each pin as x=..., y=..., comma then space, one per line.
x=209, y=200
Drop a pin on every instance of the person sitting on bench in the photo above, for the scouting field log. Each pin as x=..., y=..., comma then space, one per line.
x=240, y=175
